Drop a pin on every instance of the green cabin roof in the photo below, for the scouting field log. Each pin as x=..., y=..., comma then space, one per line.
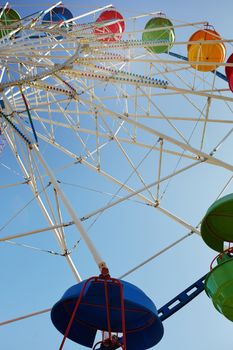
x=217, y=225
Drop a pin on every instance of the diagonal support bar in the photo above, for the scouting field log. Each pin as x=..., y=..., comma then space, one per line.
x=182, y=299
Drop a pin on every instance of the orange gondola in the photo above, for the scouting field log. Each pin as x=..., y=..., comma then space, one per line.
x=206, y=50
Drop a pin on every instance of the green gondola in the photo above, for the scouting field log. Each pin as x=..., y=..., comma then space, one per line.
x=167, y=35
x=217, y=225
x=8, y=18
x=219, y=285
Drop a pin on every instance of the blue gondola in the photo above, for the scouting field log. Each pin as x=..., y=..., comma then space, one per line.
x=58, y=14
x=143, y=327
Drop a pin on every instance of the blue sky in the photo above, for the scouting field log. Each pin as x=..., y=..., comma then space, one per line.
x=130, y=232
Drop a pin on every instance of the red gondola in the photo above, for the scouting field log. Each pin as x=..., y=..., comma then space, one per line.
x=110, y=27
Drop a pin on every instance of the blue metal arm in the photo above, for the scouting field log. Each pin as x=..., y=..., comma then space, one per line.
x=220, y=75
x=182, y=299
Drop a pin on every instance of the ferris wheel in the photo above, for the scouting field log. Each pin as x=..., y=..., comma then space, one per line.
x=114, y=138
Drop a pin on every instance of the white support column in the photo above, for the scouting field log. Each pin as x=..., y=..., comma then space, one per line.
x=43, y=209
x=99, y=261
x=38, y=198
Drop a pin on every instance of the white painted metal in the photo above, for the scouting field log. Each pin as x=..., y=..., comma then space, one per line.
x=38, y=198
x=46, y=229
x=99, y=261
